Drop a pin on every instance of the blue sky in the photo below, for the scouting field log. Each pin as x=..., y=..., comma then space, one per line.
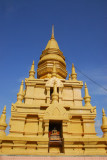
x=80, y=30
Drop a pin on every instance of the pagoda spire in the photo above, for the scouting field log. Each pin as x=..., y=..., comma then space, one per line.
x=55, y=94
x=104, y=124
x=32, y=71
x=51, y=53
x=74, y=74
x=87, y=98
x=52, y=36
x=54, y=73
x=20, y=95
x=3, y=124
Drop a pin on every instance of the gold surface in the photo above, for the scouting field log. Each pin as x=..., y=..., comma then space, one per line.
x=50, y=55
x=52, y=100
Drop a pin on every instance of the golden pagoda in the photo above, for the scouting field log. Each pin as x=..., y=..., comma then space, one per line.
x=48, y=117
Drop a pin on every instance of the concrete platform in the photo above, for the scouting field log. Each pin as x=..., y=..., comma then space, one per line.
x=49, y=158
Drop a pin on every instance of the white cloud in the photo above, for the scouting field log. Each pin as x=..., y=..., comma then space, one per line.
x=98, y=128
x=97, y=123
x=97, y=90
x=99, y=76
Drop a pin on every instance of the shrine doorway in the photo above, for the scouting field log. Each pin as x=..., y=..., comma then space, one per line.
x=55, y=136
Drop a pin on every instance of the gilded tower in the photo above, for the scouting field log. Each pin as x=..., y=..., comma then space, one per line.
x=48, y=117
x=51, y=54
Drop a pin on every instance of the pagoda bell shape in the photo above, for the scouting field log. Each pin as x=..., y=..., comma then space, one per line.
x=87, y=98
x=32, y=71
x=74, y=74
x=21, y=93
x=104, y=124
x=51, y=54
x=3, y=124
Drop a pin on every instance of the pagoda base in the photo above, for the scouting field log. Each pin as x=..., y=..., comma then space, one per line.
x=40, y=146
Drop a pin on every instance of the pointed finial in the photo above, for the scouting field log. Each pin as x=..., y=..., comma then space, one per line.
x=21, y=88
x=4, y=110
x=20, y=95
x=24, y=92
x=52, y=36
x=54, y=70
x=49, y=75
x=87, y=98
x=103, y=111
x=55, y=87
x=74, y=74
x=32, y=67
x=73, y=68
x=104, y=124
x=3, y=124
x=54, y=94
x=32, y=71
x=86, y=91
x=69, y=77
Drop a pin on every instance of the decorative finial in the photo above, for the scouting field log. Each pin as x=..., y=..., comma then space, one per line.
x=24, y=92
x=104, y=124
x=86, y=91
x=55, y=94
x=32, y=67
x=20, y=95
x=54, y=70
x=21, y=88
x=74, y=74
x=32, y=71
x=4, y=110
x=52, y=36
x=87, y=98
x=103, y=111
x=3, y=124
x=49, y=75
x=69, y=77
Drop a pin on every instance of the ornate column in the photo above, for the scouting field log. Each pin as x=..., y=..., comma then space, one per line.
x=48, y=95
x=36, y=126
x=46, y=128
x=69, y=126
x=40, y=128
x=65, y=131
x=60, y=94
